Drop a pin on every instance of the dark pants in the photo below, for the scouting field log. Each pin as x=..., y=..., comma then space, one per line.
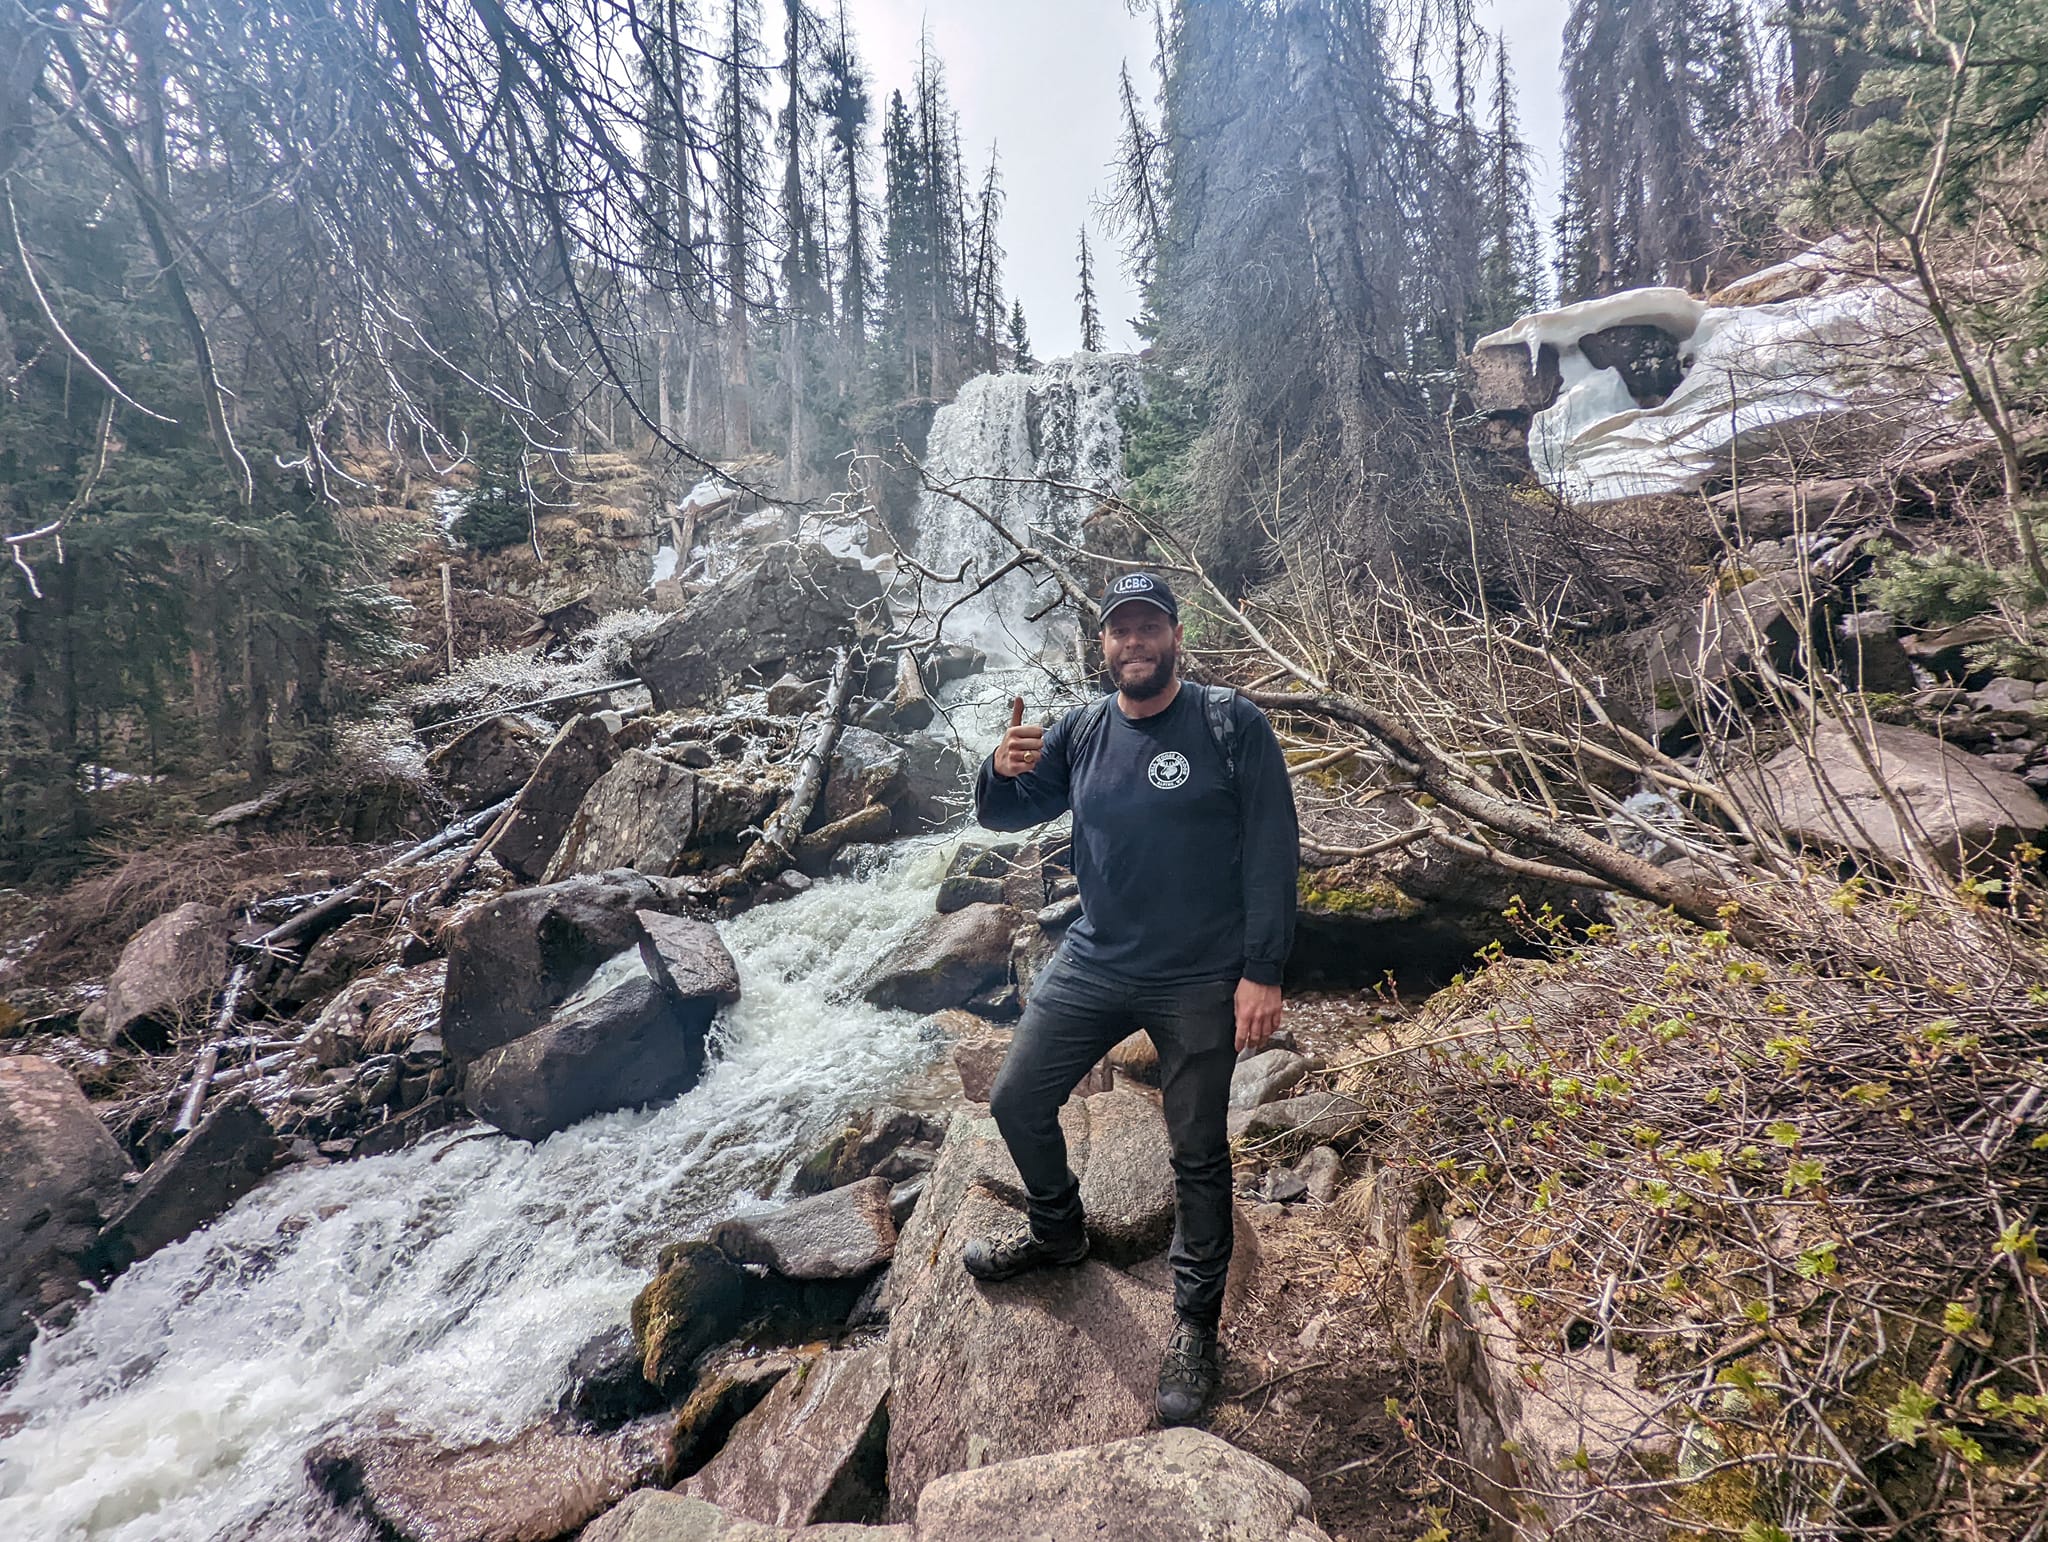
x=1073, y=1018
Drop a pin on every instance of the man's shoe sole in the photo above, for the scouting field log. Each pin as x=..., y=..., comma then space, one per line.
x=996, y=1276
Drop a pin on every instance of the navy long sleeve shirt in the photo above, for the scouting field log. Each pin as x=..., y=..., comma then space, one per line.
x=1183, y=877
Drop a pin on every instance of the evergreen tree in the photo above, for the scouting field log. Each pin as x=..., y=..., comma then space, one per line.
x=738, y=122
x=1021, y=357
x=1091, y=320
x=1510, y=277
x=985, y=286
x=1133, y=207
x=845, y=106
x=908, y=279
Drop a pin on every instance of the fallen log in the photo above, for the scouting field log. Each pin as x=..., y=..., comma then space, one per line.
x=776, y=849
x=289, y=928
x=527, y=706
x=209, y=1057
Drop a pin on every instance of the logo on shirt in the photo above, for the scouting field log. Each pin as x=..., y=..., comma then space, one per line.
x=1169, y=769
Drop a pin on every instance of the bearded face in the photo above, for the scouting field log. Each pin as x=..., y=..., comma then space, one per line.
x=1142, y=650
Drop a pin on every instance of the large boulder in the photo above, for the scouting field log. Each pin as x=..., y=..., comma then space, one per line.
x=535, y=1487
x=60, y=1176
x=1507, y=381
x=841, y=1234
x=1967, y=811
x=514, y=959
x=624, y=1040
x=815, y=1450
x=1127, y=1181
x=1179, y=1485
x=691, y=957
x=935, y=785
x=167, y=976
x=793, y=605
x=195, y=1181
x=985, y=1373
x=640, y=814
x=947, y=964
x=1723, y=640
x=483, y=764
x=582, y=752
x=865, y=768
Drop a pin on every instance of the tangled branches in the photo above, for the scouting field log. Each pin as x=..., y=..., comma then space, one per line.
x=1792, y=1214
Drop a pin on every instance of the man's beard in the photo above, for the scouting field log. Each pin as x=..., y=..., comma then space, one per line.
x=1153, y=682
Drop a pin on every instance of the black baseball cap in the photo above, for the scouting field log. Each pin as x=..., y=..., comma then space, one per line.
x=1139, y=586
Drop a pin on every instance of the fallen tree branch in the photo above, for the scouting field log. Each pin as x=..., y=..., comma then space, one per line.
x=527, y=706
x=209, y=1058
x=776, y=848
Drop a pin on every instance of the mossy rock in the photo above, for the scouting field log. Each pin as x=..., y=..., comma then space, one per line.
x=1322, y=894
x=697, y=1301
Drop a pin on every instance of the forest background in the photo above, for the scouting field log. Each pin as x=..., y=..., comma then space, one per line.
x=260, y=261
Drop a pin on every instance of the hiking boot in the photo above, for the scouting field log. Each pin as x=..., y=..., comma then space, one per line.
x=1006, y=1255
x=1189, y=1373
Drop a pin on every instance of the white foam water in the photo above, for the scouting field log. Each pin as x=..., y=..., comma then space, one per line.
x=447, y=1286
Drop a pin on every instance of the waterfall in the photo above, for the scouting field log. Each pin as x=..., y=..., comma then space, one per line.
x=1059, y=422
x=446, y=1286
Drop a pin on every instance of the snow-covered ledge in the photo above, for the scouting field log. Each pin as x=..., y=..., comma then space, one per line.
x=1766, y=375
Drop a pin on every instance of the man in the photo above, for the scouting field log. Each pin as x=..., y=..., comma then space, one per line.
x=1185, y=848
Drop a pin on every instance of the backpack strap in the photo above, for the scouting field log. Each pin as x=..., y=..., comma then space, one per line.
x=1087, y=723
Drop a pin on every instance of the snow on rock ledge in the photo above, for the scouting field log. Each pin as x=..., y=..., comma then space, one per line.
x=1781, y=378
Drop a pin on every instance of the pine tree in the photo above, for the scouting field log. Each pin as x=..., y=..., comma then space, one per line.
x=1091, y=320
x=845, y=105
x=907, y=277
x=738, y=124
x=1133, y=206
x=1021, y=357
x=985, y=287
x=1510, y=278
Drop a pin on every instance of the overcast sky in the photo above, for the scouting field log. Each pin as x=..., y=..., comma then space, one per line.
x=1038, y=78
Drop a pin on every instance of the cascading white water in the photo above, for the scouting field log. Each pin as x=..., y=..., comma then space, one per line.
x=1059, y=422
x=449, y=1285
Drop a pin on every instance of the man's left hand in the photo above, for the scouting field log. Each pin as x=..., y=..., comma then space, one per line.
x=1258, y=1013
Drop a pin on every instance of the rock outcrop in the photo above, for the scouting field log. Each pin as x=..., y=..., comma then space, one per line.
x=60, y=1177
x=841, y=1234
x=582, y=752
x=948, y=964
x=167, y=976
x=222, y=1159
x=815, y=1450
x=697, y=1301
x=787, y=610
x=640, y=814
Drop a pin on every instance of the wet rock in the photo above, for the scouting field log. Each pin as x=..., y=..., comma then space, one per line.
x=976, y=876
x=725, y=1394
x=935, y=785
x=815, y=1450
x=838, y=1235
x=1320, y=1116
x=623, y=1041
x=605, y=1385
x=640, y=814
x=947, y=964
x=1266, y=1077
x=1322, y=1174
x=60, y=1176
x=481, y=765
x=1868, y=643
x=691, y=957
x=1181, y=1485
x=582, y=753
x=794, y=605
x=988, y=1373
x=954, y=661
x=535, y=1487
x=862, y=1148
x=514, y=959
x=1127, y=1179
x=167, y=976
x=1967, y=811
x=866, y=768
x=223, y=1158
x=697, y=1301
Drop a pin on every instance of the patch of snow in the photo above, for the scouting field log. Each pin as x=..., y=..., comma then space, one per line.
x=1753, y=373
x=664, y=565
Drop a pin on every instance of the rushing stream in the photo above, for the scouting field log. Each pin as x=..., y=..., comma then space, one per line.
x=449, y=1285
